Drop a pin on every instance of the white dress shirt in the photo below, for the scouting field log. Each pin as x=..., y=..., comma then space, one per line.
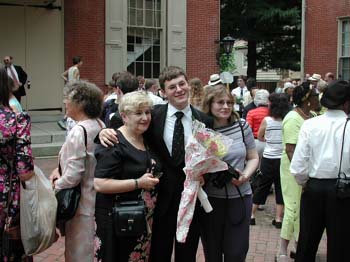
x=13, y=70
x=239, y=93
x=317, y=154
x=170, y=124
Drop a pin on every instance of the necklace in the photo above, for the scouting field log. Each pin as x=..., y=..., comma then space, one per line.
x=301, y=113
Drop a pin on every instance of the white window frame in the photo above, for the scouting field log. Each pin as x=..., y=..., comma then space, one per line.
x=162, y=33
x=340, y=54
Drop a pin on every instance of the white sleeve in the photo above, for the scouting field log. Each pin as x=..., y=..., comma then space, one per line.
x=299, y=166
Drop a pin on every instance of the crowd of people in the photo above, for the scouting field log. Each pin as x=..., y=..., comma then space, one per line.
x=126, y=148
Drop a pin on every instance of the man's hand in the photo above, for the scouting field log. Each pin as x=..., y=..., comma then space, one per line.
x=108, y=137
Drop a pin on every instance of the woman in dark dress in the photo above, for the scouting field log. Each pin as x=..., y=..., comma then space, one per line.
x=124, y=170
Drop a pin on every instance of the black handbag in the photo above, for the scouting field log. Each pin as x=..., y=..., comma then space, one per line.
x=129, y=218
x=343, y=182
x=68, y=199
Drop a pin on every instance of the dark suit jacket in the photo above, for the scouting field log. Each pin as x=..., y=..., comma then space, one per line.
x=171, y=183
x=22, y=77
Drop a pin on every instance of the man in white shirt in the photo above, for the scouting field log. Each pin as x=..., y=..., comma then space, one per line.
x=238, y=93
x=151, y=88
x=323, y=142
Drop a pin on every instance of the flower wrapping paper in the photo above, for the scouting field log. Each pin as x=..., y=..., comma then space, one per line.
x=203, y=154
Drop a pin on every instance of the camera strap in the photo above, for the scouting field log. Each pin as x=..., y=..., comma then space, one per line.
x=244, y=208
x=342, y=149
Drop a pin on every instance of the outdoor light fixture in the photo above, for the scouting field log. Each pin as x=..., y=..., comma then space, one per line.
x=227, y=43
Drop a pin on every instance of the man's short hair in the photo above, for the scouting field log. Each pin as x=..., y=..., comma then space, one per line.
x=127, y=82
x=76, y=60
x=149, y=83
x=169, y=73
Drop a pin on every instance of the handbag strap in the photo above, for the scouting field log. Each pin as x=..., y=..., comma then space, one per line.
x=342, y=147
x=85, y=143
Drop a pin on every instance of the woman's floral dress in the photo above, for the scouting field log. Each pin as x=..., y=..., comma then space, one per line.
x=15, y=158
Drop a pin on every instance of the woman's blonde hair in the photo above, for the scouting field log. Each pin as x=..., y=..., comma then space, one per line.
x=133, y=101
x=217, y=92
x=196, y=92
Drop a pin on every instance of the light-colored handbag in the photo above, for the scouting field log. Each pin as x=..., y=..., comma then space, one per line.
x=38, y=207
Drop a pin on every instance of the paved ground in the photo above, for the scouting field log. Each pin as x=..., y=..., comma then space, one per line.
x=264, y=237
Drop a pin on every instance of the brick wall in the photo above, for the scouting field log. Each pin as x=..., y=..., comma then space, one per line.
x=203, y=28
x=321, y=34
x=84, y=35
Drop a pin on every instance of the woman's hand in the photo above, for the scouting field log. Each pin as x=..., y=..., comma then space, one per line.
x=147, y=181
x=242, y=179
x=108, y=137
x=54, y=176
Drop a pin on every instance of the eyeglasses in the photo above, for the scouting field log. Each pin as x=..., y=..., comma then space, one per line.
x=223, y=102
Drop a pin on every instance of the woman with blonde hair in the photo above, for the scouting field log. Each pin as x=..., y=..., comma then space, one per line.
x=124, y=173
x=196, y=93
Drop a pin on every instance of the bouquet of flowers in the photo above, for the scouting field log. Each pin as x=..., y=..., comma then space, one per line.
x=203, y=154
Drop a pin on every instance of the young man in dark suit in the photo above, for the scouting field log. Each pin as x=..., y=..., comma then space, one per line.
x=168, y=143
x=18, y=76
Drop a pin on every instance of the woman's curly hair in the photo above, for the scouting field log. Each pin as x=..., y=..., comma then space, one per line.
x=86, y=95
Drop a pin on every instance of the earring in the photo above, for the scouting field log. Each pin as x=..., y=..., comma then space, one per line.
x=308, y=104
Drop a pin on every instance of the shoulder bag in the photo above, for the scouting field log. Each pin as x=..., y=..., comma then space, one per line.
x=68, y=199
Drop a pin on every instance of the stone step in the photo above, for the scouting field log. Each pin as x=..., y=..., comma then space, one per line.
x=47, y=149
x=47, y=138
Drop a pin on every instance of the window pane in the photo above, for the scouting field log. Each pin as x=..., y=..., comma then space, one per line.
x=148, y=53
x=149, y=4
x=345, y=38
x=156, y=53
x=132, y=16
x=139, y=17
x=345, y=68
x=156, y=70
x=139, y=69
x=131, y=68
x=139, y=4
x=149, y=18
x=132, y=3
x=148, y=70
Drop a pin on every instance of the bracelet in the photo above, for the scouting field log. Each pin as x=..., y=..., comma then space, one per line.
x=136, y=184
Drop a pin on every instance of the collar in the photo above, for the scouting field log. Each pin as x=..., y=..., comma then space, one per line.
x=335, y=113
x=172, y=110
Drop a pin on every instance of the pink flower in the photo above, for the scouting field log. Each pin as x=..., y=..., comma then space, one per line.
x=135, y=256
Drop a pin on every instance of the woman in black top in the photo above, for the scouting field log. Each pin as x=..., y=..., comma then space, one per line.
x=124, y=170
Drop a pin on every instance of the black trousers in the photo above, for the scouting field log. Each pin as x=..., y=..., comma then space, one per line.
x=225, y=230
x=164, y=235
x=270, y=169
x=320, y=209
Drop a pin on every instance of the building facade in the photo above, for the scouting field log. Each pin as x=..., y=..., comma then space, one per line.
x=141, y=36
x=326, y=37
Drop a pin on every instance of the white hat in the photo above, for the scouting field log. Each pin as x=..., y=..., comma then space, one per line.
x=287, y=85
x=214, y=80
x=315, y=77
